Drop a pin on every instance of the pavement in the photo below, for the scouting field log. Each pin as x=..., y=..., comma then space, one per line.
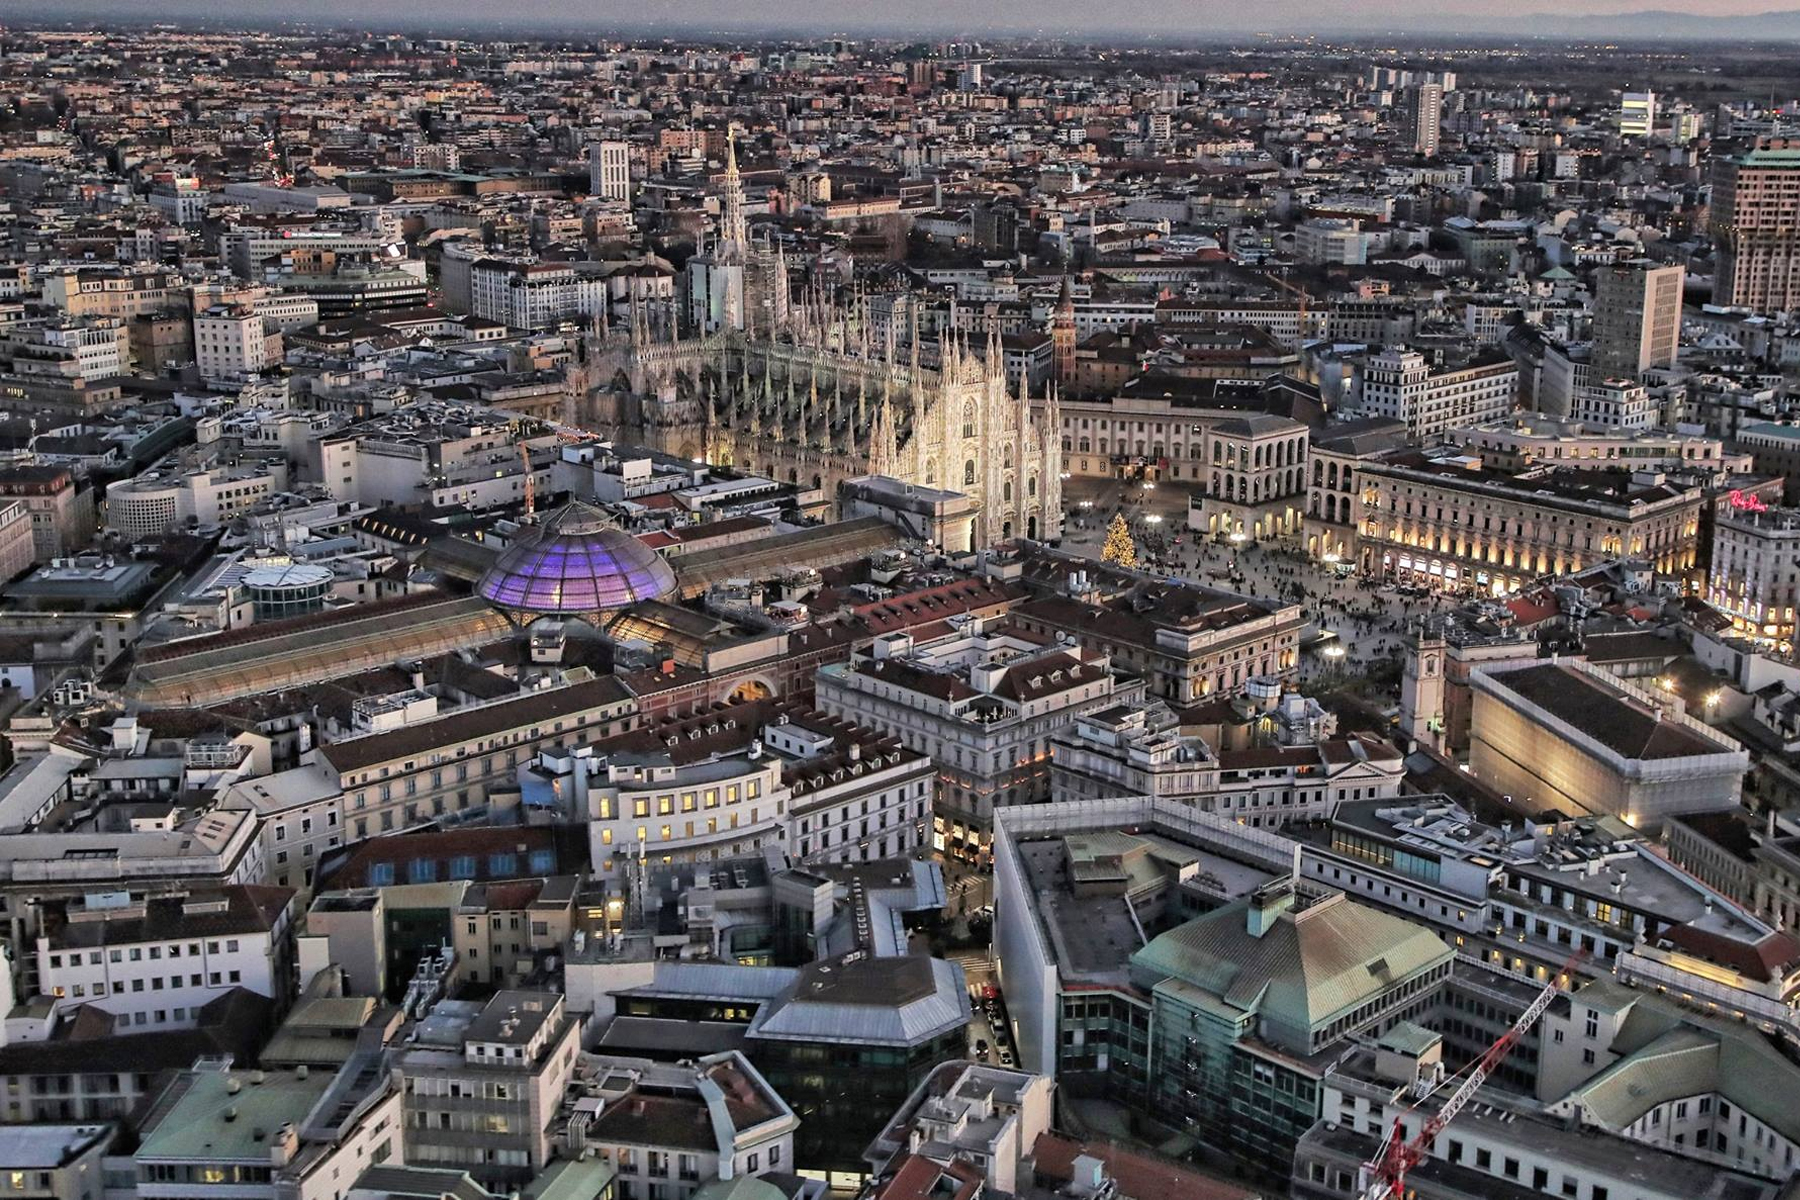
x=1360, y=623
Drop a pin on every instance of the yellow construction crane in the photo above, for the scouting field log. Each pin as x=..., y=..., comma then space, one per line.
x=530, y=480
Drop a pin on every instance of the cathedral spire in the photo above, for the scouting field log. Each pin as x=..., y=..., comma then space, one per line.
x=733, y=236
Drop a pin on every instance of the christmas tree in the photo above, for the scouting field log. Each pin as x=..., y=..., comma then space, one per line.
x=1119, y=549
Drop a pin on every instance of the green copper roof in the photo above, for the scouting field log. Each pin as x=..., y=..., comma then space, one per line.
x=1305, y=970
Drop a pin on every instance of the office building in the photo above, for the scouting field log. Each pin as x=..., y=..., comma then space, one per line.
x=157, y=962
x=1755, y=216
x=1637, y=318
x=1402, y=385
x=483, y=1082
x=1447, y=522
x=609, y=170
x=1637, y=114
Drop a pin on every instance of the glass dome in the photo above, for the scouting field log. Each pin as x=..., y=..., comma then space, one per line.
x=578, y=564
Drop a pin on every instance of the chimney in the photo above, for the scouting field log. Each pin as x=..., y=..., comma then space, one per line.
x=1267, y=904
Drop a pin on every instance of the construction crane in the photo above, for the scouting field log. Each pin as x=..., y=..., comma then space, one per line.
x=530, y=480
x=1305, y=298
x=1384, y=1176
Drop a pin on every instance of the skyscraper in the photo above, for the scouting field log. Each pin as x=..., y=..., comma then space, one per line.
x=1756, y=226
x=609, y=170
x=1637, y=318
x=1423, y=113
x=1637, y=114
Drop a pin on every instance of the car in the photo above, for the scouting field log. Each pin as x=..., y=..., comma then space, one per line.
x=1006, y=1058
x=981, y=1047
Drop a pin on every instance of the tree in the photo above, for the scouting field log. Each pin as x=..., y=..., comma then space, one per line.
x=1119, y=550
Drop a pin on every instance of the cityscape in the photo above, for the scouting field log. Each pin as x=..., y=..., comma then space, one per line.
x=859, y=612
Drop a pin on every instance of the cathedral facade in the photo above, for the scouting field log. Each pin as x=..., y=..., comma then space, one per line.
x=814, y=405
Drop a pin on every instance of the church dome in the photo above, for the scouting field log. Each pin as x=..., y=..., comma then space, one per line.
x=578, y=564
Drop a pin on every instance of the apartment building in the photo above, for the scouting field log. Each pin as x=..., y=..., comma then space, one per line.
x=482, y=1082
x=982, y=701
x=157, y=961
x=1403, y=385
x=609, y=170
x=1185, y=641
x=1616, y=404
x=55, y=1162
x=533, y=295
x=122, y=292
x=232, y=343
x=450, y=766
x=1448, y=522
x=669, y=1129
x=1756, y=572
x=63, y=522
x=1528, y=440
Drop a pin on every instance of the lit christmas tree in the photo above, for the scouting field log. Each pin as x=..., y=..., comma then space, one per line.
x=1119, y=549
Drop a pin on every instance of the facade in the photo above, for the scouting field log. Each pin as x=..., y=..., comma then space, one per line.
x=55, y=1162
x=609, y=170
x=1446, y=522
x=231, y=343
x=483, y=1082
x=61, y=508
x=18, y=547
x=1578, y=739
x=1256, y=479
x=1755, y=216
x=1637, y=318
x=1755, y=573
x=982, y=702
x=1402, y=385
x=1637, y=114
x=158, y=962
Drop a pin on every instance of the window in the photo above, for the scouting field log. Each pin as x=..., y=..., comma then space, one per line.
x=381, y=875
x=543, y=862
x=503, y=864
x=462, y=867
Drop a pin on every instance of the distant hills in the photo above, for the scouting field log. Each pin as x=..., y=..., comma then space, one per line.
x=1660, y=23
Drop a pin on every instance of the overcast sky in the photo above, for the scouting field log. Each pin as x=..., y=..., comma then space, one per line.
x=1190, y=18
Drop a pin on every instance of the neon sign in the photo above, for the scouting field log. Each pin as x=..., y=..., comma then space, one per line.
x=1747, y=501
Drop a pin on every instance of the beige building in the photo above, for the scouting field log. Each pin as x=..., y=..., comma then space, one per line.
x=1447, y=522
x=1637, y=317
x=1578, y=739
x=1528, y=440
x=1756, y=226
x=55, y=1162
x=119, y=292
x=62, y=510
x=1756, y=572
x=426, y=770
x=1255, y=481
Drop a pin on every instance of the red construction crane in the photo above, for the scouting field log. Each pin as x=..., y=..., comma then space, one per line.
x=1384, y=1177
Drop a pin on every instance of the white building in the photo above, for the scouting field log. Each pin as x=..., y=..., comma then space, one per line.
x=169, y=497
x=1637, y=114
x=156, y=962
x=532, y=295
x=609, y=170
x=233, y=343
x=1617, y=404
x=983, y=700
x=1401, y=384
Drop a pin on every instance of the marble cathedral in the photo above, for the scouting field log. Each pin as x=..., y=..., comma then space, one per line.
x=809, y=393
